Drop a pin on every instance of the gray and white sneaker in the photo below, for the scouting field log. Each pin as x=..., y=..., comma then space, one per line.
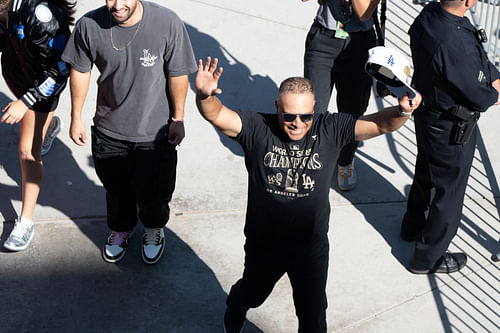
x=153, y=243
x=51, y=135
x=116, y=245
x=21, y=235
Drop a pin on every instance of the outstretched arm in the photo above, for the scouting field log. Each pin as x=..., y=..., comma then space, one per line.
x=386, y=120
x=210, y=107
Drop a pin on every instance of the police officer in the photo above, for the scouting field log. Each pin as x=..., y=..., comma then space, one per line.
x=457, y=83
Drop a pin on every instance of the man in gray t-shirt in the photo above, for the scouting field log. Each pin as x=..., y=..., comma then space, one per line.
x=144, y=56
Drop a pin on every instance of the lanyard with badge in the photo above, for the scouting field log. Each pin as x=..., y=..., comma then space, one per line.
x=345, y=17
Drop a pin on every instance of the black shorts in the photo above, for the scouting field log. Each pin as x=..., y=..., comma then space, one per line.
x=47, y=105
x=43, y=106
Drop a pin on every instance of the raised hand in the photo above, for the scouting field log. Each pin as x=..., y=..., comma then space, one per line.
x=207, y=78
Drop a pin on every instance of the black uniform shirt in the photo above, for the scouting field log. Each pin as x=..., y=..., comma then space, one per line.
x=451, y=67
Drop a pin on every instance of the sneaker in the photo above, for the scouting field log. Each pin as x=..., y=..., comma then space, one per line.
x=347, y=178
x=116, y=245
x=153, y=243
x=21, y=235
x=233, y=321
x=51, y=135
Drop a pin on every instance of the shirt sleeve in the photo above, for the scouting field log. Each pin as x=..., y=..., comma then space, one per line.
x=340, y=128
x=77, y=51
x=250, y=131
x=179, y=56
x=468, y=77
x=494, y=73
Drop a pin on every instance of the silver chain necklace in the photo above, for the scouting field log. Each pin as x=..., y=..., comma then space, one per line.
x=133, y=37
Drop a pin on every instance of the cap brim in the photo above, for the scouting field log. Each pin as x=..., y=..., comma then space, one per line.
x=402, y=91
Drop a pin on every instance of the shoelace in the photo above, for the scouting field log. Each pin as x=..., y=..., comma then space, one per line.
x=118, y=237
x=343, y=169
x=152, y=237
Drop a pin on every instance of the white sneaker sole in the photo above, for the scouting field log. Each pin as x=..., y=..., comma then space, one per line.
x=20, y=248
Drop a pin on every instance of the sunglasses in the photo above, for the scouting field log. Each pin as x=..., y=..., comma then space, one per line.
x=290, y=117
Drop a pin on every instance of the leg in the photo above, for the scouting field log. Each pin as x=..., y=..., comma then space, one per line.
x=419, y=199
x=308, y=280
x=319, y=58
x=262, y=271
x=33, y=127
x=352, y=82
x=448, y=167
x=32, y=130
x=113, y=167
x=154, y=181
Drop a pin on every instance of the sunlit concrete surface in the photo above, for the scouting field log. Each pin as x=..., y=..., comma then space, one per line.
x=61, y=284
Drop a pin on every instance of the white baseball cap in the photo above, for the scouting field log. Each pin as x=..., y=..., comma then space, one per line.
x=390, y=67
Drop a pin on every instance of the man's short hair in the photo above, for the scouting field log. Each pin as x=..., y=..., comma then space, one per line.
x=296, y=85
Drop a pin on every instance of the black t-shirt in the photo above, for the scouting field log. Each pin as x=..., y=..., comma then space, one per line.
x=289, y=181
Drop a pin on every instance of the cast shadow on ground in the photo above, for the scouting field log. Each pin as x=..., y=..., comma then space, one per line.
x=241, y=90
x=386, y=219
x=65, y=186
x=82, y=293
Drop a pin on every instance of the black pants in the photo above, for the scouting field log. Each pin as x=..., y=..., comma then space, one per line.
x=307, y=273
x=135, y=174
x=437, y=194
x=329, y=62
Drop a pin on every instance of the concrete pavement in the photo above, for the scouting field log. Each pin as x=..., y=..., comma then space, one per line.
x=61, y=284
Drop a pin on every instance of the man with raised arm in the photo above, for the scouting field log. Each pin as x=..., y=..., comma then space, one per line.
x=289, y=157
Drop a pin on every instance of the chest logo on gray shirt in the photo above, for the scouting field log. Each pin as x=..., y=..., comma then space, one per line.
x=147, y=60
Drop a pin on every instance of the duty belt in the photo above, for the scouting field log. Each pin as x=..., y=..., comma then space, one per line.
x=459, y=112
x=432, y=108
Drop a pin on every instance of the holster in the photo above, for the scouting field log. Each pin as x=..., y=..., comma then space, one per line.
x=463, y=125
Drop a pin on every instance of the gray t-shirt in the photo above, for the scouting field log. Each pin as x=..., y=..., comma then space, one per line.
x=332, y=12
x=133, y=100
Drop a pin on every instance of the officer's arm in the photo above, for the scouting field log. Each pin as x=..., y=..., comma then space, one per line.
x=365, y=8
x=466, y=78
x=386, y=120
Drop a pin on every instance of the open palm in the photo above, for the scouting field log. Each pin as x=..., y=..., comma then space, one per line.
x=207, y=78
